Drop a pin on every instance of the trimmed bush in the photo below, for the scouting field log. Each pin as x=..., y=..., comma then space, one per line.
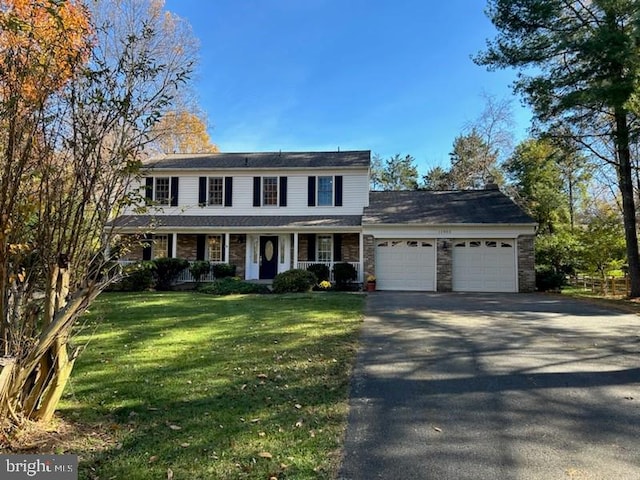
x=293, y=281
x=230, y=286
x=549, y=280
x=223, y=270
x=167, y=271
x=320, y=270
x=344, y=274
x=199, y=269
x=138, y=277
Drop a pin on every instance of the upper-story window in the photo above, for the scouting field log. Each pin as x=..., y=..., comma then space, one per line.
x=162, y=190
x=325, y=191
x=269, y=191
x=216, y=191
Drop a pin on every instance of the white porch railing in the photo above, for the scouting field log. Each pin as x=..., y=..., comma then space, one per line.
x=185, y=275
x=356, y=265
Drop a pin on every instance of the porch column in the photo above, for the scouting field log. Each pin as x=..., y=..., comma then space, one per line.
x=361, y=257
x=227, y=240
x=295, y=250
x=174, y=246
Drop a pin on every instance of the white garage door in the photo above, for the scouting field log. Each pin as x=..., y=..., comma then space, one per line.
x=403, y=264
x=484, y=265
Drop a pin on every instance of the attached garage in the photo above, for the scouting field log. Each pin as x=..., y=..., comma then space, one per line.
x=484, y=265
x=405, y=264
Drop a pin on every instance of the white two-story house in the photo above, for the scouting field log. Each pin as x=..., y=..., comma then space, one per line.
x=267, y=213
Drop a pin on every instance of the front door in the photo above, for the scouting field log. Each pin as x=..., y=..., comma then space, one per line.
x=268, y=257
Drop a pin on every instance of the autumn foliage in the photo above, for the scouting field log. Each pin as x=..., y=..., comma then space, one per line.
x=42, y=44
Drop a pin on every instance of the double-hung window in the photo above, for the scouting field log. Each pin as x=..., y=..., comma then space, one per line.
x=160, y=246
x=216, y=191
x=162, y=190
x=270, y=191
x=325, y=191
x=214, y=247
x=324, y=248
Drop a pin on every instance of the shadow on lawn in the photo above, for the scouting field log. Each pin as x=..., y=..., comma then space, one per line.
x=218, y=397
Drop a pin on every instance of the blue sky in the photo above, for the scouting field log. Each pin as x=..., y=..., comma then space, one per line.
x=390, y=76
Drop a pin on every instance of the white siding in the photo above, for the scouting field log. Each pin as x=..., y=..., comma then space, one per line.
x=355, y=194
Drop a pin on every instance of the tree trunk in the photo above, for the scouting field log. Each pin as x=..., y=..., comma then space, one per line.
x=625, y=179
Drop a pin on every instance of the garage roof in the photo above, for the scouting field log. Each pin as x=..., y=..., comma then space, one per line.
x=443, y=207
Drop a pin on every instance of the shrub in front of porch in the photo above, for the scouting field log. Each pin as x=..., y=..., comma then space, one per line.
x=232, y=286
x=345, y=274
x=320, y=270
x=294, y=281
x=167, y=271
x=199, y=269
x=138, y=277
x=224, y=270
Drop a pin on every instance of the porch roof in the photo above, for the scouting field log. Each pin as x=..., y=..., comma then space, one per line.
x=190, y=222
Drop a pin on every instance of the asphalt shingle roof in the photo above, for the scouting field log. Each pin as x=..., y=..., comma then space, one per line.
x=443, y=207
x=361, y=158
x=219, y=221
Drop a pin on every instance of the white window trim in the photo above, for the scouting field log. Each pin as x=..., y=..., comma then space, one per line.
x=333, y=190
x=221, y=204
x=330, y=237
x=262, y=190
x=155, y=190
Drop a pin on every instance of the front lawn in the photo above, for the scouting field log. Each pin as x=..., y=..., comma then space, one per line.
x=192, y=386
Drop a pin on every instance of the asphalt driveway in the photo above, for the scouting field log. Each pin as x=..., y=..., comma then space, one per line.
x=500, y=386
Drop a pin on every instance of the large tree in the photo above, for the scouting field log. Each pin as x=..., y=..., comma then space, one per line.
x=79, y=96
x=394, y=173
x=579, y=65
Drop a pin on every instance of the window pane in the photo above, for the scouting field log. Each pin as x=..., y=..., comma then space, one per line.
x=160, y=246
x=270, y=191
x=324, y=247
x=215, y=248
x=162, y=190
x=215, y=191
x=325, y=191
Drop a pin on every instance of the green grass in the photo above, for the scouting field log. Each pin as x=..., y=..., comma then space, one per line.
x=240, y=387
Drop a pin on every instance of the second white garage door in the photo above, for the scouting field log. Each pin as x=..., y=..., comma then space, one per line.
x=484, y=265
x=403, y=264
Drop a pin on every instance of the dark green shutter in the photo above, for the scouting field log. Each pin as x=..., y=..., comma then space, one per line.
x=174, y=191
x=228, y=191
x=311, y=247
x=311, y=192
x=256, y=191
x=201, y=243
x=146, y=246
x=170, y=245
x=337, y=247
x=202, y=191
x=337, y=200
x=148, y=190
x=283, y=191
